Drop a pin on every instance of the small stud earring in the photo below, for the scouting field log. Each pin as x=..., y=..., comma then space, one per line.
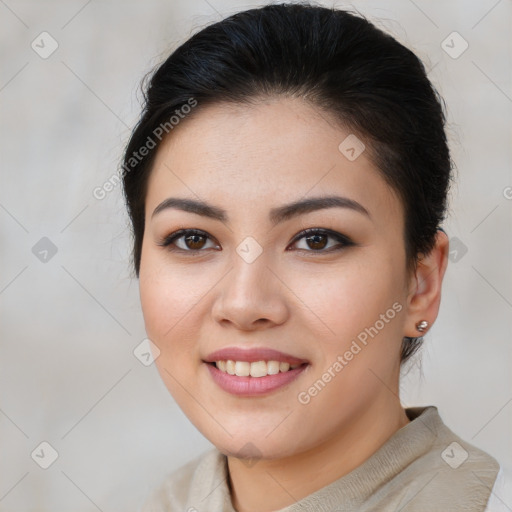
x=422, y=326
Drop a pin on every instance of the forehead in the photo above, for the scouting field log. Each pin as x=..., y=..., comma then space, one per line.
x=276, y=151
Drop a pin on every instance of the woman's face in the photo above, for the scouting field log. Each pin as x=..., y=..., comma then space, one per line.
x=247, y=282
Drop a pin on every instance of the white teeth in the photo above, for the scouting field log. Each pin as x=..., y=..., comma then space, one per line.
x=273, y=367
x=242, y=369
x=230, y=367
x=284, y=367
x=254, y=369
x=258, y=369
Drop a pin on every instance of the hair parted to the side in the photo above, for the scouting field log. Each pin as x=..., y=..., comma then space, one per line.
x=335, y=60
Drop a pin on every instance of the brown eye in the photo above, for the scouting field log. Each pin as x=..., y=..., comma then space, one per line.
x=317, y=240
x=194, y=242
x=186, y=240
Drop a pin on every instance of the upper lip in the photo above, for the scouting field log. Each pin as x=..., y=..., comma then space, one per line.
x=251, y=355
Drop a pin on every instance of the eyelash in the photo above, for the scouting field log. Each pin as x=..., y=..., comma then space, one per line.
x=342, y=239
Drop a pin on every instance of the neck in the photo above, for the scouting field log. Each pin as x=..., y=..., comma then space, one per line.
x=272, y=484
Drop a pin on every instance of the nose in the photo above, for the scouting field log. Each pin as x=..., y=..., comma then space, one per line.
x=250, y=297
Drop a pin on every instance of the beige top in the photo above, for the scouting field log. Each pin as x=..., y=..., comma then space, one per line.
x=422, y=467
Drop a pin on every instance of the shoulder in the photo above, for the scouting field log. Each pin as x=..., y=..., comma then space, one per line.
x=501, y=493
x=450, y=469
x=179, y=486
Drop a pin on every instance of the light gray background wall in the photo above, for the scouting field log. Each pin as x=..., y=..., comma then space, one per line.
x=69, y=325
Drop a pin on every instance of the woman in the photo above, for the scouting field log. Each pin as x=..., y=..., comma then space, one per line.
x=286, y=183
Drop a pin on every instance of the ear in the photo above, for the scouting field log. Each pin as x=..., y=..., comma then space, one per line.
x=424, y=296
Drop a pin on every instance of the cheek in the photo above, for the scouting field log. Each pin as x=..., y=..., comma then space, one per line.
x=165, y=307
x=359, y=304
x=168, y=307
x=175, y=306
x=348, y=295
x=165, y=298
x=359, y=337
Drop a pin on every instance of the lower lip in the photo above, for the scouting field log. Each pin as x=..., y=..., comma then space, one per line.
x=251, y=386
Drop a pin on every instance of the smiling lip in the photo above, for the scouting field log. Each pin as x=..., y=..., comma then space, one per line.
x=253, y=386
x=252, y=355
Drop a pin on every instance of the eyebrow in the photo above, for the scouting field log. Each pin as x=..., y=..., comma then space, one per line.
x=276, y=215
